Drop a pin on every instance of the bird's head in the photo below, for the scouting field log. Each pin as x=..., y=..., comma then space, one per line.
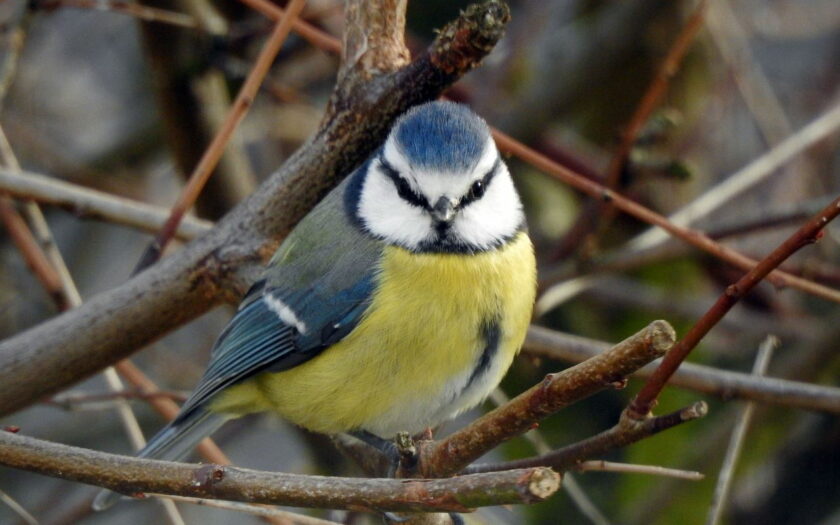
x=439, y=185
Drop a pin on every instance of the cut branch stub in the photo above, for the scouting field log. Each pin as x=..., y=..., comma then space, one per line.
x=474, y=33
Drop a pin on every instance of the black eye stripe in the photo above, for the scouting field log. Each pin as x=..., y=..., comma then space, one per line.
x=404, y=189
x=479, y=187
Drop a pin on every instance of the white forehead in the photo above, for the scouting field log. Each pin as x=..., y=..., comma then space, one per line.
x=436, y=182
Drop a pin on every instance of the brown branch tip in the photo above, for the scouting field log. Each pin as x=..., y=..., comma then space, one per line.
x=472, y=34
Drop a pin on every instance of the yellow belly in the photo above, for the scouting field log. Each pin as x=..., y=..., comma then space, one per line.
x=404, y=367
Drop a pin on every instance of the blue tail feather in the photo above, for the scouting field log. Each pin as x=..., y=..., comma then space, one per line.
x=172, y=443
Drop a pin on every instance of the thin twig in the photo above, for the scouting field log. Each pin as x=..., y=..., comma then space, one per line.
x=807, y=234
x=453, y=453
x=139, y=475
x=625, y=432
x=600, y=465
x=73, y=400
x=747, y=177
x=23, y=238
x=731, y=40
x=310, y=33
x=264, y=511
x=726, y=384
x=94, y=204
x=141, y=12
x=693, y=237
x=71, y=298
x=736, y=442
x=214, y=151
x=18, y=509
x=570, y=485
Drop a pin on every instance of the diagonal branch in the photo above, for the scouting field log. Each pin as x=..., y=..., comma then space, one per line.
x=807, y=234
x=219, y=265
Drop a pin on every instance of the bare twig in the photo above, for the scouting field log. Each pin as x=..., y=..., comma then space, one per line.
x=629, y=468
x=626, y=431
x=747, y=177
x=693, y=237
x=93, y=204
x=71, y=298
x=18, y=509
x=214, y=151
x=805, y=235
x=142, y=12
x=75, y=400
x=722, y=383
x=595, y=213
x=23, y=238
x=570, y=485
x=282, y=516
x=736, y=442
x=453, y=453
x=135, y=475
x=312, y=34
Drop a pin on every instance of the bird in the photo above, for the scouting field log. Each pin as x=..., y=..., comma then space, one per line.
x=396, y=304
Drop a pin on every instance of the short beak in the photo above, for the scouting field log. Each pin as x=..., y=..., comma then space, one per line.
x=443, y=210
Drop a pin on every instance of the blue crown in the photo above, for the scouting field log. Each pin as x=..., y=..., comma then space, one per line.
x=441, y=136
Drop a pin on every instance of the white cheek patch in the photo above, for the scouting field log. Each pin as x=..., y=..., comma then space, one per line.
x=494, y=217
x=387, y=215
x=284, y=312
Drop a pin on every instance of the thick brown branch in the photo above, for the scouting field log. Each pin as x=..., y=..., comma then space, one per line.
x=723, y=383
x=133, y=475
x=450, y=455
x=805, y=235
x=219, y=265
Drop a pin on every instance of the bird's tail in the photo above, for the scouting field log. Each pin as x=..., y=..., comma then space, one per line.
x=172, y=443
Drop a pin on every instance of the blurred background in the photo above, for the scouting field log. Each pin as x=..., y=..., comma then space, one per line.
x=97, y=98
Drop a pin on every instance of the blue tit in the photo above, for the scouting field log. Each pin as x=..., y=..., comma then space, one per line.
x=396, y=304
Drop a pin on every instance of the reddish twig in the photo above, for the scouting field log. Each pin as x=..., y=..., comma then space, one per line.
x=695, y=238
x=142, y=12
x=31, y=251
x=625, y=432
x=654, y=93
x=166, y=407
x=312, y=34
x=214, y=151
x=805, y=235
x=601, y=212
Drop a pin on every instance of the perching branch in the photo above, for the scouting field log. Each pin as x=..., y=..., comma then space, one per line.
x=135, y=476
x=219, y=265
x=455, y=452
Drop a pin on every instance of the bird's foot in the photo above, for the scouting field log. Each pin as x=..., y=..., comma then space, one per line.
x=401, y=453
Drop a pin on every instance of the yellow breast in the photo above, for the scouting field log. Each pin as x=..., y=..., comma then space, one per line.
x=407, y=363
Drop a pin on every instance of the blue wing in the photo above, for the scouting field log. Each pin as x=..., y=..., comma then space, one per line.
x=321, y=277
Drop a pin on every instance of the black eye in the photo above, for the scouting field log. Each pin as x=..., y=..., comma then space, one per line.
x=404, y=189
x=477, y=190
